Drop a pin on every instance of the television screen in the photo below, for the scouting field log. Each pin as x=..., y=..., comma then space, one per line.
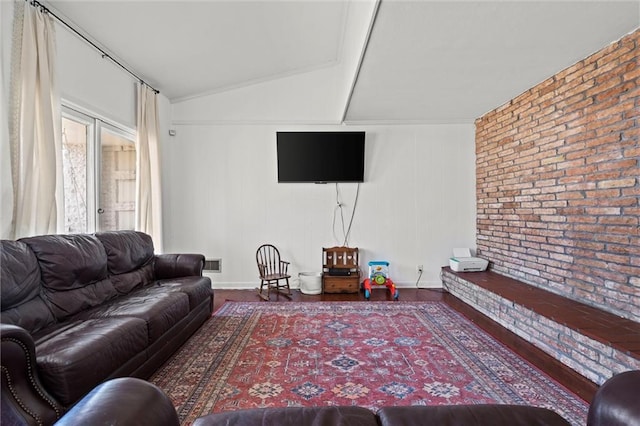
x=320, y=156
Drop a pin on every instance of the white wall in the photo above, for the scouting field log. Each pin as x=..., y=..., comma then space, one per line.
x=416, y=204
x=92, y=82
x=222, y=198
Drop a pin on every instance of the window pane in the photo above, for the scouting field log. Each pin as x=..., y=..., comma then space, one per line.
x=74, y=169
x=117, y=182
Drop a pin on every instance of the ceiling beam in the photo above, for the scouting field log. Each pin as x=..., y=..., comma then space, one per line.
x=363, y=51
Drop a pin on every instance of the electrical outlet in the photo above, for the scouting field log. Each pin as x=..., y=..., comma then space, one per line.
x=419, y=269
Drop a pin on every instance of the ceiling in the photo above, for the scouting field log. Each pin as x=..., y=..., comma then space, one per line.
x=444, y=61
x=425, y=61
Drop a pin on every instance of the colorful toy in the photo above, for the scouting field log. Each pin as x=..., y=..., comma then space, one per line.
x=379, y=275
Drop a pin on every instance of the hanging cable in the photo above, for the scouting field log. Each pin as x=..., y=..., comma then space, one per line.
x=353, y=213
x=44, y=9
x=335, y=210
x=345, y=233
x=418, y=280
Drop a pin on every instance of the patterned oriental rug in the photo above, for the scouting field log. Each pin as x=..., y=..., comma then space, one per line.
x=373, y=354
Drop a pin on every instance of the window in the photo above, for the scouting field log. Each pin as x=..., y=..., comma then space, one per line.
x=99, y=171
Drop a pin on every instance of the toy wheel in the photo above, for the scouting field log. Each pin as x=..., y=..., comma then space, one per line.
x=367, y=294
x=379, y=280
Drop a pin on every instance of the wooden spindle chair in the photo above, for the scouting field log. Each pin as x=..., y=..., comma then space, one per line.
x=273, y=271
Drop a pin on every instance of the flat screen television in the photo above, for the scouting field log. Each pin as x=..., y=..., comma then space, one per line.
x=320, y=157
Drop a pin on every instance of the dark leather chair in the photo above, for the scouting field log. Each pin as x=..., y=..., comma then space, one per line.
x=124, y=401
x=132, y=401
x=617, y=401
x=292, y=416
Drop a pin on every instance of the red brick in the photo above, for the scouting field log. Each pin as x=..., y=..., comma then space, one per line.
x=619, y=220
x=617, y=183
x=604, y=175
x=599, y=211
x=632, y=72
x=631, y=192
x=577, y=183
x=620, y=165
x=578, y=141
x=616, y=128
x=608, y=193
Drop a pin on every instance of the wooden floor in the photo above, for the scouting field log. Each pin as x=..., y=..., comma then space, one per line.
x=581, y=386
x=407, y=294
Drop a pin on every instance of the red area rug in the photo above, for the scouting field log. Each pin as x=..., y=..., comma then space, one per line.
x=339, y=353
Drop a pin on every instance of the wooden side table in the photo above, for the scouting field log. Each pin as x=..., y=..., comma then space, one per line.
x=340, y=270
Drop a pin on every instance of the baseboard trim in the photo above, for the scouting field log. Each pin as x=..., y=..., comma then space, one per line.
x=295, y=284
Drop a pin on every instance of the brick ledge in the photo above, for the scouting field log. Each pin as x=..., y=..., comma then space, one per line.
x=512, y=303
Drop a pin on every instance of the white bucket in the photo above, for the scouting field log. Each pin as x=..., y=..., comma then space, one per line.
x=310, y=282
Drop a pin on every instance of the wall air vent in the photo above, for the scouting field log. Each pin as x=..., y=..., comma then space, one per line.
x=213, y=265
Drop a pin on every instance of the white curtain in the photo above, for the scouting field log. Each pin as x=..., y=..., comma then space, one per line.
x=6, y=186
x=35, y=134
x=148, y=186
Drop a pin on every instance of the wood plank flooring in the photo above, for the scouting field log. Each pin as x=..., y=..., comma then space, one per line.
x=581, y=386
x=407, y=294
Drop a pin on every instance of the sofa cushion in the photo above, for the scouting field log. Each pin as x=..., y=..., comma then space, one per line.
x=490, y=414
x=292, y=416
x=75, y=356
x=129, y=259
x=129, y=281
x=197, y=288
x=22, y=302
x=160, y=310
x=74, y=272
x=126, y=250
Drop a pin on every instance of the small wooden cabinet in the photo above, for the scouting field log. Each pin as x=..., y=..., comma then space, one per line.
x=340, y=270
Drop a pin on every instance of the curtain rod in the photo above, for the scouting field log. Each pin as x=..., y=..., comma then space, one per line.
x=45, y=9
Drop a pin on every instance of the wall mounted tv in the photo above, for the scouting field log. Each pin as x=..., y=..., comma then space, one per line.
x=320, y=157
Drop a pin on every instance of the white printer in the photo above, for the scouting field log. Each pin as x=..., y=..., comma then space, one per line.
x=462, y=261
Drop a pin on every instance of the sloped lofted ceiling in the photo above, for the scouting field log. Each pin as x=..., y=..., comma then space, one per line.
x=194, y=48
x=454, y=61
x=424, y=61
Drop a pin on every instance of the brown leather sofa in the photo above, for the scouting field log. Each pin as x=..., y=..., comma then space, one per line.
x=132, y=401
x=81, y=309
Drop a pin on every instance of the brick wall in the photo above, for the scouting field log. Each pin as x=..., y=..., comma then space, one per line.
x=558, y=186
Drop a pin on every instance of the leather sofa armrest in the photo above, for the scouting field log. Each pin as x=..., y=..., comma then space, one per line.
x=178, y=265
x=617, y=401
x=24, y=400
x=123, y=401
